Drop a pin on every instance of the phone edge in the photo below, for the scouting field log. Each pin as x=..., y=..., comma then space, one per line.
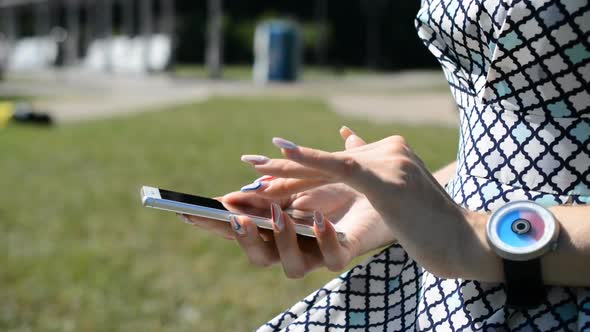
x=159, y=203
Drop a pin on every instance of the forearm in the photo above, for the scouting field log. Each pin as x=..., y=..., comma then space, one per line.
x=568, y=265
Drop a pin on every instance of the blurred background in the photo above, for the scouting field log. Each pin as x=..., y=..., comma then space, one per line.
x=99, y=97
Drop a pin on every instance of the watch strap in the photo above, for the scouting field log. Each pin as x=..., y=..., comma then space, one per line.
x=524, y=284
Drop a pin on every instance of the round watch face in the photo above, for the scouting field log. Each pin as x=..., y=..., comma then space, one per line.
x=522, y=231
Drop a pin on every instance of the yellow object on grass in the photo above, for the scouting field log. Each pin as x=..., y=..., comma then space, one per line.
x=6, y=112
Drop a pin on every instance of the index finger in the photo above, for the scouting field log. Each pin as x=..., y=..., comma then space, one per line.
x=287, y=187
x=287, y=169
x=329, y=164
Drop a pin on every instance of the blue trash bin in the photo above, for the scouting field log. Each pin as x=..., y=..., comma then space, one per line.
x=277, y=50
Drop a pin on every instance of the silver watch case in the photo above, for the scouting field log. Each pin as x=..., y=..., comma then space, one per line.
x=517, y=242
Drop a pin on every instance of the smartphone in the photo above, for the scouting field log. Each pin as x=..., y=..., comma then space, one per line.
x=168, y=200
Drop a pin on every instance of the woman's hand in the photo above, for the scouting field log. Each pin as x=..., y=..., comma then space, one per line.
x=431, y=227
x=335, y=204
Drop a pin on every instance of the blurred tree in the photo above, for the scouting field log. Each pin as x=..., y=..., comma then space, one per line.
x=168, y=26
x=9, y=23
x=321, y=21
x=105, y=27
x=128, y=17
x=72, y=42
x=373, y=10
x=343, y=36
x=146, y=23
x=43, y=16
x=214, y=56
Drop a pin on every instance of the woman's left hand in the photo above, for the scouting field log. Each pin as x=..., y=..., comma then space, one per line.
x=427, y=223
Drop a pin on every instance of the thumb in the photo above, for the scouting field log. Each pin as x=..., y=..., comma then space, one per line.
x=351, y=140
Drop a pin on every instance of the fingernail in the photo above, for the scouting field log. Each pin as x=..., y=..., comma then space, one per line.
x=277, y=217
x=255, y=159
x=252, y=186
x=184, y=218
x=259, y=183
x=255, y=186
x=238, y=228
x=284, y=144
x=265, y=178
x=348, y=129
x=318, y=219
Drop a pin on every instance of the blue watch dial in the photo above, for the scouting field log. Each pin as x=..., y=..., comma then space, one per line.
x=521, y=228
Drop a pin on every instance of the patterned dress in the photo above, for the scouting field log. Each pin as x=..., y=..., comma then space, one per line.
x=519, y=71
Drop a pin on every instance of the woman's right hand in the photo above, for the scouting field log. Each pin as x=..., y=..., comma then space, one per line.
x=334, y=204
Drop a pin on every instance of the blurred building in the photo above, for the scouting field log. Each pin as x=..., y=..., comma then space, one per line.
x=103, y=35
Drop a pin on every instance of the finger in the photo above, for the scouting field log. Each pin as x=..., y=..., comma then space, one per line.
x=345, y=132
x=218, y=227
x=251, y=202
x=286, y=242
x=354, y=141
x=283, y=188
x=351, y=140
x=330, y=164
x=260, y=253
x=335, y=255
x=257, y=184
x=239, y=198
x=287, y=169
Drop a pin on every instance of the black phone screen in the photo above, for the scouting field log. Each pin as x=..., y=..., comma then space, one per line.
x=191, y=199
x=215, y=204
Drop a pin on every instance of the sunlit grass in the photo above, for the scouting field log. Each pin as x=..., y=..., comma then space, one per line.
x=244, y=72
x=79, y=253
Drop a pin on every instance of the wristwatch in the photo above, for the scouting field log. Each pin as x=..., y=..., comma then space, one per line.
x=521, y=232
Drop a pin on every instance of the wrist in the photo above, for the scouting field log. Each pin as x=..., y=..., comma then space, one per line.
x=481, y=261
x=379, y=235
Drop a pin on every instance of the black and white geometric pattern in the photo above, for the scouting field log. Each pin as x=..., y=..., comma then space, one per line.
x=519, y=71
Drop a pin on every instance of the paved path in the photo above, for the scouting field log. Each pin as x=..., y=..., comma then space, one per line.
x=431, y=108
x=409, y=97
x=79, y=96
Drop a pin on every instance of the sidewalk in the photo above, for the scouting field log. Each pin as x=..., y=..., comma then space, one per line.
x=408, y=97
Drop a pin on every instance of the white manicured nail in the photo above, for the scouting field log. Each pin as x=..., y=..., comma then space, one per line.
x=284, y=144
x=237, y=226
x=255, y=159
x=277, y=217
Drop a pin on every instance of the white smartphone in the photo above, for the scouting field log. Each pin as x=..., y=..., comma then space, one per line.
x=168, y=200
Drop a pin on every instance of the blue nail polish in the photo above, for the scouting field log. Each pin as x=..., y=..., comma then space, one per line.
x=238, y=228
x=252, y=186
x=318, y=218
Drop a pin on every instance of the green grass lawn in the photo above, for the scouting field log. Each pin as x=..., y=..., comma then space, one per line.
x=244, y=72
x=78, y=252
x=14, y=98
